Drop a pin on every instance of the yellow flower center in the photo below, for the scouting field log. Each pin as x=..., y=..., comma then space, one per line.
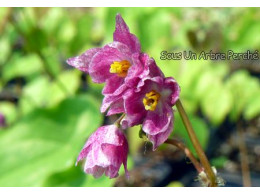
x=150, y=100
x=120, y=68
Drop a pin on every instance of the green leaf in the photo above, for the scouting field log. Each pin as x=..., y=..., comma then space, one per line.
x=216, y=103
x=253, y=108
x=52, y=20
x=243, y=34
x=41, y=92
x=22, y=66
x=67, y=31
x=188, y=81
x=3, y=11
x=83, y=33
x=51, y=59
x=66, y=84
x=103, y=181
x=75, y=177
x=160, y=36
x=5, y=48
x=9, y=111
x=175, y=184
x=26, y=19
x=46, y=141
x=219, y=161
x=243, y=89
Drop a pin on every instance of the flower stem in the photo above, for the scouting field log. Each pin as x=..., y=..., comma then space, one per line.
x=117, y=123
x=203, y=159
x=244, y=159
x=188, y=153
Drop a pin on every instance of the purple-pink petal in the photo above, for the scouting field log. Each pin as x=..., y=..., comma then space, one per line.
x=100, y=64
x=105, y=151
x=175, y=88
x=82, y=62
x=158, y=121
x=161, y=137
x=134, y=109
x=116, y=107
x=113, y=101
x=123, y=35
x=112, y=84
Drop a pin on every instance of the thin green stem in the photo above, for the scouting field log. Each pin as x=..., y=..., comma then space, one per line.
x=187, y=152
x=117, y=123
x=203, y=159
x=244, y=159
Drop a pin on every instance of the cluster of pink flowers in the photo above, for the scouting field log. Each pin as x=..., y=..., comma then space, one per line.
x=135, y=87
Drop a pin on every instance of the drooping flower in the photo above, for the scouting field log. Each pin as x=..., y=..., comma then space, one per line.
x=105, y=151
x=150, y=104
x=112, y=63
x=135, y=86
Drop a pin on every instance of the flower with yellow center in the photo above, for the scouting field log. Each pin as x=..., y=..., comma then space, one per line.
x=120, y=68
x=150, y=105
x=150, y=100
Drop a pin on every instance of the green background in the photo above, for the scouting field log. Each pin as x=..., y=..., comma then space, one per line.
x=51, y=108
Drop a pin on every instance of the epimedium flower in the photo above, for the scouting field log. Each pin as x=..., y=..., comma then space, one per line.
x=150, y=104
x=114, y=62
x=105, y=151
x=146, y=68
x=136, y=87
x=119, y=64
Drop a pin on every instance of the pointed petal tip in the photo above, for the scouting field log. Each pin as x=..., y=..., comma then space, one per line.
x=154, y=147
x=68, y=61
x=77, y=161
x=120, y=23
x=127, y=175
x=118, y=16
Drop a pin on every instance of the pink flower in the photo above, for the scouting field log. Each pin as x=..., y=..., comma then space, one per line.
x=134, y=85
x=119, y=64
x=150, y=104
x=115, y=62
x=105, y=151
x=146, y=68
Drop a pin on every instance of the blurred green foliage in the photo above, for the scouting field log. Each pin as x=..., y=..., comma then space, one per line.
x=51, y=108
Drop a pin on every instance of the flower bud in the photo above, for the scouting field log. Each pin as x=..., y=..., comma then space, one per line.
x=105, y=151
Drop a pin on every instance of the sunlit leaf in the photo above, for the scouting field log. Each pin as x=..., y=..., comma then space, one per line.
x=22, y=66
x=46, y=141
x=243, y=88
x=216, y=103
x=253, y=108
x=41, y=92
x=219, y=162
x=75, y=177
x=175, y=184
x=9, y=111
